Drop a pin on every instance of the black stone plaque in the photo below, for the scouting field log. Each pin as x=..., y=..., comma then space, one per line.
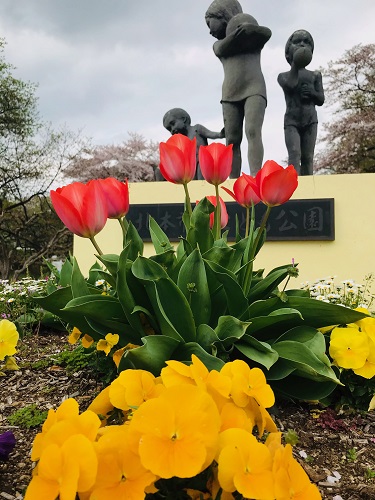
x=311, y=219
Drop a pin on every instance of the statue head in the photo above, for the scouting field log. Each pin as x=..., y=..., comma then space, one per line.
x=219, y=13
x=177, y=121
x=239, y=19
x=298, y=39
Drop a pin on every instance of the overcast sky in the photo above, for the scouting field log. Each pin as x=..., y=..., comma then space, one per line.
x=113, y=66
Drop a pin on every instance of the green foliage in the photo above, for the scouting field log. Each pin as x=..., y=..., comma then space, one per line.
x=28, y=417
x=351, y=455
x=369, y=474
x=206, y=299
x=74, y=361
x=291, y=437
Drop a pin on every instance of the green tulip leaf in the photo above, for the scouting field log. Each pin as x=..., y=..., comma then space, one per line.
x=79, y=284
x=110, y=261
x=136, y=242
x=166, y=259
x=106, y=277
x=159, y=238
x=260, y=352
x=151, y=356
x=192, y=281
x=277, y=322
x=229, y=329
x=236, y=300
x=200, y=234
x=148, y=270
x=265, y=287
x=222, y=255
x=315, y=313
x=97, y=307
x=206, y=337
x=184, y=352
x=124, y=293
x=280, y=370
x=66, y=274
x=306, y=362
x=301, y=388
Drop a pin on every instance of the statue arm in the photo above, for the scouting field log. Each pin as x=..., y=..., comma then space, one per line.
x=209, y=134
x=247, y=37
x=289, y=80
x=318, y=87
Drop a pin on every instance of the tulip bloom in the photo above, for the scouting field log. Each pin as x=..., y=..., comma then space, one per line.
x=178, y=161
x=223, y=213
x=244, y=191
x=275, y=184
x=215, y=162
x=81, y=207
x=117, y=196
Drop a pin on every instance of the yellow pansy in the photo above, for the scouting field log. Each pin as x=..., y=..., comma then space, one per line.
x=132, y=388
x=106, y=344
x=64, y=470
x=368, y=369
x=120, y=472
x=117, y=355
x=248, y=383
x=291, y=481
x=178, y=431
x=8, y=338
x=349, y=347
x=10, y=364
x=74, y=336
x=102, y=405
x=244, y=465
x=87, y=341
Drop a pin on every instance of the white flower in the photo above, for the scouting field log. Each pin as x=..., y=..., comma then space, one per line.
x=303, y=454
x=10, y=300
x=99, y=282
x=337, y=497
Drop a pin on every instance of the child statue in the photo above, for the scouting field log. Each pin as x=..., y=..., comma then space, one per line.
x=303, y=90
x=178, y=121
x=244, y=98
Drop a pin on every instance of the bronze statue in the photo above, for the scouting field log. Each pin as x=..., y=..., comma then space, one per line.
x=178, y=121
x=244, y=98
x=303, y=90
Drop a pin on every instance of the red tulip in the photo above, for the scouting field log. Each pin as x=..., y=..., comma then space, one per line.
x=117, y=196
x=244, y=191
x=81, y=207
x=276, y=184
x=178, y=161
x=224, y=214
x=215, y=162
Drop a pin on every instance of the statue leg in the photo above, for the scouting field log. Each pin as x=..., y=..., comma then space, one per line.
x=233, y=114
x=255, y=107
x=293, y=145
x=308, y=140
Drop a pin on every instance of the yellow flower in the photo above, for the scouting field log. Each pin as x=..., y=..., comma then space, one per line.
x=132, y=388
x=178, y=431
x=74, y=336
x=64, y=470
x=349, y=347
x=102, y=405
x=372, y=404
x=63, y=423
x=232, y=416
x=10, y=364
x=87, y=341
x=291, y=481
x=248, y=383
x=245, y=465
x=111, y=339
x=176, y=373
x=120, y=475
x=120, y=352
x=8, y=338
x=368, y=369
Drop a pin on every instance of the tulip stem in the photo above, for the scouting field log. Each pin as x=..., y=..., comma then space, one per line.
x=97, y=248
x=187, y=200
x=247, y=222
x=124, y=229
x=260, y=231
x=217, y=217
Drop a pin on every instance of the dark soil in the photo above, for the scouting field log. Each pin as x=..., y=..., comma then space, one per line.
x=340, y=446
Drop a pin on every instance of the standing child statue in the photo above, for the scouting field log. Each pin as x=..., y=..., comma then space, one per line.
x=303, y=90
x=178, y=121
x=244, y=98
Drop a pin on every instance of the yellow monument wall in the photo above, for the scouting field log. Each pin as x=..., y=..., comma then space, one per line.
x=350, y=256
